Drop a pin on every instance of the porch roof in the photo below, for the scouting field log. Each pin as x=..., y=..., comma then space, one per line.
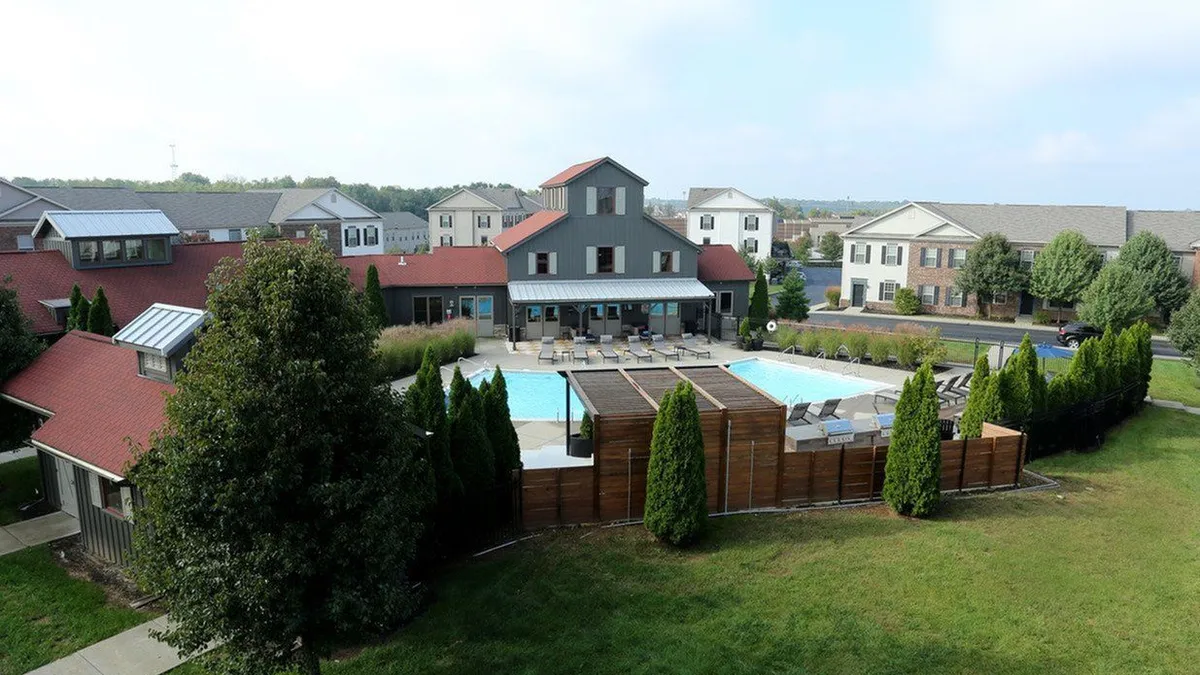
x=607, y=290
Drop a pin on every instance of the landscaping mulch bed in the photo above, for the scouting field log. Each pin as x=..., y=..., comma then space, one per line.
x=119, y=589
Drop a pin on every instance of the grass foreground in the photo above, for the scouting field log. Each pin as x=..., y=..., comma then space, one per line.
x=1175, y=381
x=1096, y=576
x=19, y=482
x=45, y=614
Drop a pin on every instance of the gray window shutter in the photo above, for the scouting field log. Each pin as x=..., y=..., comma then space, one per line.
x=939, y=258
x=532, y=263
x=591, y=254
x=936, y=291
x=922, y=260
x=949, y=294
x=93, y=485
x=346, y=237
x=553, y=262
x=654, y=262
x=852, y=254
x=591, y=201
x=620, y=201
x=899, y=255
x=619, y=260
x=868, y=253
x=964, y=299
x=675, y=261
x=880, y=284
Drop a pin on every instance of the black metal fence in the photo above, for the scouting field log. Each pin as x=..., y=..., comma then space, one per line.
x=1080, y=427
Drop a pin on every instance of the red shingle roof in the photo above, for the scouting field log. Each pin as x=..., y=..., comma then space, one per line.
x=98, y=400
x=719, y=262
x=444, y=266
x=571, y=172
x=526, y=229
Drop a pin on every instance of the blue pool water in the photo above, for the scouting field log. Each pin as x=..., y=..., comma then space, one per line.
x=536, y=396
x=792, y=384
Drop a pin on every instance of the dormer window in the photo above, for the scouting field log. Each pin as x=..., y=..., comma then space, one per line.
x=117, y=238
x=111, y=249
x=89, y=252
x=133, y=249
x=605, y=201
x=156, y=250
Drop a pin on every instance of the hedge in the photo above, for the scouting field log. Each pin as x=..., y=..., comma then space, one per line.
x=910, y=344
x=401, y=348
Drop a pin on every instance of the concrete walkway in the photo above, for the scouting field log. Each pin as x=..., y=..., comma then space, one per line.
x=133, y=652
x=34, y=531
x=1175, y=405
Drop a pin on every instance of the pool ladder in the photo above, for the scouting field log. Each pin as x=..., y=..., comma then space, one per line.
x=820, y=360
x=855, y=366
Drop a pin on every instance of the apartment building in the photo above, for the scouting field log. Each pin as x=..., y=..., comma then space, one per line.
x=726, y=215
x=474, y=216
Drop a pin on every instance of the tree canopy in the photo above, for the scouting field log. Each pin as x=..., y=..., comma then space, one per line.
x=1064, y=269
x=373, y=295
x=77, y=316
x=18, y=348
x=1117, y=298
x=1153, y=262
x=99, y=319
x=760, y=305
x=830, y=246
x=793, y=299
x=284, y=494
x=992, y=267
x=914, y=460
x=676, y=491
x=1185, y=329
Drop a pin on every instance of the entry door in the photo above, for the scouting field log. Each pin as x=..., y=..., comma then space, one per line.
x=858, y=294
x=1027, y=303
x=533, y=323
x=66, y=486
x=672, y=324
x=612, y=320
x=656, y=321
x=551, y=323
x=485, y=322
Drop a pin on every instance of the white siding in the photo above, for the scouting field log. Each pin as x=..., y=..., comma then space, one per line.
x=728, y=228
x=875, y=272
x=363, y=248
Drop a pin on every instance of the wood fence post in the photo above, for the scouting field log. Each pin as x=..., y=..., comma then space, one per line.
x=992, y=461
x=841, y=469
x=779, y=456
x=812, y=469
x=871, y=480
x=558, y=496
x=1020, y=460
x=962, y=466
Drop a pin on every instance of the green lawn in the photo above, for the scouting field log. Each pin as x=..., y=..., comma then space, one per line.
x=1175, y=381
x=1098, y=576
x=19, y=483
x=45, y=614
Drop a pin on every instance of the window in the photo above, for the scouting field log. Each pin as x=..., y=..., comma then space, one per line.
x=154, y=362
x=112, y=249
x=891, y=254
x=551, y=312
x=483, y=220
x=543, y=263
x=483, y=240
x=234, y=235
x=110, y=497
x=612, y=312
x=24, y=242
x=958, y=258
x=446, y=220
x=300, y=234
x=928, y=294
x=955, y=297
x=156, y=249
x=859, y=253
x=751, y=245
x=371, y=236
x=89, y=252
x=725, y=302
x=133, y=249
x=427, y=309
x=1111, y=255
x=707, y=241
x=533, y=314
x=1000, y=298
x=750, y=223
x=595, y=312
x=887, y=291
x=350, y=237
x=606, y=201
x=324, y=233
x=666, y=261
x=929, y=257
x=706, y=221
x=447, y=240
x=604, y=259
x=1178, y=261
x=1027, y=258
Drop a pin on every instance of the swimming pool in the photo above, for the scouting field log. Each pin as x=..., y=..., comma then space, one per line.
x=535, y=395
x=792, y=384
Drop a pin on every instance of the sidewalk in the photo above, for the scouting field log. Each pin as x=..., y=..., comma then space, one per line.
x=133, y=652
x=34, y=531
x=1020, y=322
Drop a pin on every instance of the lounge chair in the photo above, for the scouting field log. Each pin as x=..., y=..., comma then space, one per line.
x=946, y=390
x=829, y=410
x=799, y=415
x=658, y=344
x=637, y=351
x=547, y=351
x=606, y=349
x=963, y=388
x=581, y=352
x=692, y=347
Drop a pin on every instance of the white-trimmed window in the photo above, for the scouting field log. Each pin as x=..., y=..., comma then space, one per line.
x=706, y=221
x=234, y=235
x=1111, y=255
x=725, y=302
x=447, y=240
x=929, y=257
x=666, y=261
x=483, y=240
x=751, y=245
x=999, y=298
x=958, y=258
x=351, y=237
x=483, y=220
x=928, y=293
x=154, y=363
x=706, y=241
x=1027, y=257
x=1178, y=262
x=891, y=254
x=859, y=253
x=955, y=297
x=107, y=495
x=887, y=291
x=446, y=220
x=750, y=223
x=370, y=236
x=300, y=233
x=24, y=242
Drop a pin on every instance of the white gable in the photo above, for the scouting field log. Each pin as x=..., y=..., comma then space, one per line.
x=731, y=199
x=312, y=212
x=948, y=231
x=343, y=206
x=464, y=199
x=907, y=221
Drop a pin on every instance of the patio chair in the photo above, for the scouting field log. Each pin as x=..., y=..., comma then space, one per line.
x=547, y=351
x=892, y=397
x=692, y=347
x=829, y=409
x=580, y=352
x=606, y=349
x=658, y=344
x=637, y=351
x=946, y=390
x=799, y=415
x=963, y=388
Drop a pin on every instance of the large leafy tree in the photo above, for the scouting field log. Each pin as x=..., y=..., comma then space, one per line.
x=1116, y=299
x=373, y=295
x=992, y=267
x=792, y=300
x=759, y=301
x=1185, y=329
x=1153, y=262
x=1064, y=269
x=830, y=246
x=99, y=320
x=283, y=495
x=676, y=492
x=914, y=461
x=18, y=347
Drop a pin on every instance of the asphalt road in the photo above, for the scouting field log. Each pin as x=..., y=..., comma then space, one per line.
x=981, y=331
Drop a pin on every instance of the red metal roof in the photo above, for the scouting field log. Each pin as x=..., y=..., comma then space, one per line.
x=571, y=172
x=99, y=403
x=720, y=262
x=444, y=266
x=526, y=229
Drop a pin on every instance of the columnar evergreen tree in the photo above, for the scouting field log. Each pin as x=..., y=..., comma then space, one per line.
x=470, y=448
x=983, y=405
x=99, y=319
x=284, y=495
x=1117, y=298
x=982, y=367
x=1151, y=260
x=792, y=300
x=993, y=266
x=1064, y=269
x=1029, y=387
x=18, y=348
x=77, y=316
x=759, y=301
x=914, y=459
x=1108, y=375
x=1142, y=334
x=373, y=295
x=506, y=446
x=1185, y=329
x=676, y=491
x=1084, y=371
x=425, y=408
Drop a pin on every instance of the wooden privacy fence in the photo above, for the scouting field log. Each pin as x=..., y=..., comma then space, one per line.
x=745, y=473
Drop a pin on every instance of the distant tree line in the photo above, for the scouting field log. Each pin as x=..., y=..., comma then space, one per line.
x=379, y=198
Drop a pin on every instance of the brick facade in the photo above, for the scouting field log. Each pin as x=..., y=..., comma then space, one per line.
x=334, y=240
x=940, y=274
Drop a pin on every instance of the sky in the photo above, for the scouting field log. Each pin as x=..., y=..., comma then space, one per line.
x=1022, y=101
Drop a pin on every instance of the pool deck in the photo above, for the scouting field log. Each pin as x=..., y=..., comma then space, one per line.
x=537, y=437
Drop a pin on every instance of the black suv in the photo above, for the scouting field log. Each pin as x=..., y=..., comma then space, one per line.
x=1077, y=331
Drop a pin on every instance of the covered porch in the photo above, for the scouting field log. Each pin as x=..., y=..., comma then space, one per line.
x=617, y=307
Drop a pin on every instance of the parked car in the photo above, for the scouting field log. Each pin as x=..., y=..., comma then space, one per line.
x=1076, y=332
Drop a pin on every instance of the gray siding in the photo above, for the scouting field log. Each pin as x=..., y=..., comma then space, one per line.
x=104, y=535
x=78, y=264
x=572, y=236
x=399, y=300
x=46, y=467
x=741, y=294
